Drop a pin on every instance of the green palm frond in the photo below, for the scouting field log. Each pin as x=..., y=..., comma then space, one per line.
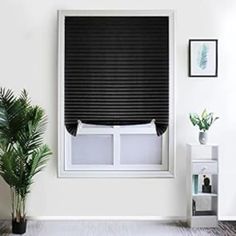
x=38, y=160
x=30, y=137
x=11, y=115
x=9, y=168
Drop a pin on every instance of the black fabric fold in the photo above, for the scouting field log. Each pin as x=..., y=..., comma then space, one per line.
x=160, y=128
x=72, y=128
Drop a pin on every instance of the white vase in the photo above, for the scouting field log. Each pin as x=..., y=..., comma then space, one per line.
x=203, y=137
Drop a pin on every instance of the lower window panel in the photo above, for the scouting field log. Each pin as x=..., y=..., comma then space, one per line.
x=144, y=149
x=92, y=150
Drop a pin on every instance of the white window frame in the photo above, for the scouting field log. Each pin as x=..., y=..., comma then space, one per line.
x=65, y=169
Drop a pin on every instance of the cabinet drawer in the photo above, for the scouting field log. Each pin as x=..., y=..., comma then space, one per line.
x=204, y=168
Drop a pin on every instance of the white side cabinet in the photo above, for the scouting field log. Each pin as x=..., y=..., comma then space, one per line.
x=202, y=196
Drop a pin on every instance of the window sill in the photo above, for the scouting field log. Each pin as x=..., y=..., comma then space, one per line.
x=115, y=174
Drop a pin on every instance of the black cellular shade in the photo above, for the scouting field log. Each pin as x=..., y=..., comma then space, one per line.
x=116, y=71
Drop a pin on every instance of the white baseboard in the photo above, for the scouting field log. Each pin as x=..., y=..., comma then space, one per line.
x=128, y=218
x=227, y=218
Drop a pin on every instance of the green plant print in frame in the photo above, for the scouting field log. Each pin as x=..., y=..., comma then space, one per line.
x=203, y=56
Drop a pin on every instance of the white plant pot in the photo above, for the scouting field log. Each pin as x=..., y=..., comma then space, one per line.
x=203, y=138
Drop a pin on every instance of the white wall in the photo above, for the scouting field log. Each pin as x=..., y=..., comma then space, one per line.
x=28, y=59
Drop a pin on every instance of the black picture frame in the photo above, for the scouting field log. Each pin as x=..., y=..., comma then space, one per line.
x=203, y=58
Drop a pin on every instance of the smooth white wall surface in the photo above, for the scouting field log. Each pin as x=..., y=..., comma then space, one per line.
x=28, y=59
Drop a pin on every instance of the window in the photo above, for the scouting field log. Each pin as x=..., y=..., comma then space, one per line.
x=116, y=75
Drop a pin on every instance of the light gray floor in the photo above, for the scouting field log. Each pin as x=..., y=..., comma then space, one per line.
x=116, y=228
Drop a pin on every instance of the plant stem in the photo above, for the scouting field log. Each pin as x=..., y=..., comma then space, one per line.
x=13, y=202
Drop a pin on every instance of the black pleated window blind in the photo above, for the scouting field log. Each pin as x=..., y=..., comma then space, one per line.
x=116, y=71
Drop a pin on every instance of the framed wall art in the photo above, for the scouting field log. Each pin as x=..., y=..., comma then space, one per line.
x=203, y=58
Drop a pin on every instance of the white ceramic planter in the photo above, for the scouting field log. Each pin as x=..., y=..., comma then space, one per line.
x=203, y=138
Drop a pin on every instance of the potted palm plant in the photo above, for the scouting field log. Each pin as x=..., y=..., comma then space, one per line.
x=22, y=152
x=204, y=122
